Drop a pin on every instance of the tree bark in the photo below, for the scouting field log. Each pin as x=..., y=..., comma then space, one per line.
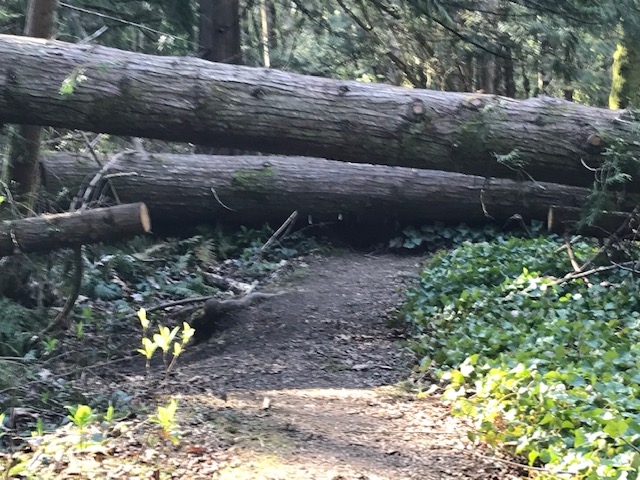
x=219, y=39
x=219, y=35
x=188, y=99
x=64, y=230
x=246, y=190
x=25, y=144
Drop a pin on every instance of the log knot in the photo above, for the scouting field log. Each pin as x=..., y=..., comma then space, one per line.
x=474, y=103
x=417, y=111
x=343, y=90
x=258, y=92
x=12, y=78
x=595, y=141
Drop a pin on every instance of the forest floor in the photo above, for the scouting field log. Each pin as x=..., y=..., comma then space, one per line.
x=306, y=385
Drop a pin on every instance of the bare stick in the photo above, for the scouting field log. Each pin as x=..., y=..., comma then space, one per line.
x=572, y=258
x=215, y=195
x=283, y=227
x=574, y=276
x=612, y=238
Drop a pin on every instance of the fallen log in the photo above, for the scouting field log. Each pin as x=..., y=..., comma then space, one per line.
x=63, y=230
x=183, y=189
x=102, y=89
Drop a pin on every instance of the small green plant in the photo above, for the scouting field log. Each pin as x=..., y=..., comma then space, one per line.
x=165, y=340
x=50, y=345
x=81, y=416
x=79, y=327
x=178, y=348
x=148, y=349
x=70, y=83
x=39, y=428
x=166, y=418
x=108, y=417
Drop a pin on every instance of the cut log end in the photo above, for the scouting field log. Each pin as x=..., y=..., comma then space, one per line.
x=594, y=140
x=145, y=219
x=550, y=217
x=72, y=229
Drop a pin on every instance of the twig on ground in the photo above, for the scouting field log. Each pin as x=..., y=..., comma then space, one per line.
x=283, y=228
x=175, y=303
x=574, y=276
x=572, y=259
x=613, y=237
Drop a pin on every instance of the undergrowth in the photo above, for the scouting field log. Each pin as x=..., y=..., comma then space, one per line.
x=43, y=374
x=547, y=369
x=118, y=280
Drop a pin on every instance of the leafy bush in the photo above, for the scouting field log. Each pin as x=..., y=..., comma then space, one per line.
x=549, y=368
x=437, y=235
x=16, y=325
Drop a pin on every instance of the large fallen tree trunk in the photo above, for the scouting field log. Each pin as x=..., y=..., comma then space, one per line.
x=48, y=232
x=188, y=99
x=255, y=189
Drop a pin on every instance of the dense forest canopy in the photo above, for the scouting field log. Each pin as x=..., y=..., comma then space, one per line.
x=518, y=48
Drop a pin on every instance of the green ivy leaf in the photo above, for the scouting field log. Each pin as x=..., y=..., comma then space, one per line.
x=615, y=428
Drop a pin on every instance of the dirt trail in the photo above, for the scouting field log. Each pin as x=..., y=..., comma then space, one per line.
x=303, y=386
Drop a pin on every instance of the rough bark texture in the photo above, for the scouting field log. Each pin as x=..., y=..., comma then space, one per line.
x=25, y=148
x=49, y=232
x=189, y=99
x=219, y=35
x=250, y=190
x=219, y=39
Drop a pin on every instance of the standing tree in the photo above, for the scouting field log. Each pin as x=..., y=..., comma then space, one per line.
x=220, y=31
x=625, y=86
x=219, y=41
x=25, y=144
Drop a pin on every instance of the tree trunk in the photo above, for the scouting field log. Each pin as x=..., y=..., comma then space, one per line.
x=625, y=84
x=219, y=39
x=220, y=31
x=509, y=74
x=190, y=100
x=64, y=230
x=182, y=189
x=25, y=143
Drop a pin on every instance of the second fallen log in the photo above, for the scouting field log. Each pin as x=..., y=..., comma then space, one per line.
x=49, y=232
x=181, y=189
